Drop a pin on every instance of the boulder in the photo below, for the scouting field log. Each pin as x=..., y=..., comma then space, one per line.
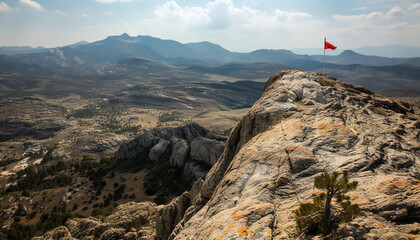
x=206, y=150
x=180, y=150
x=158, y=149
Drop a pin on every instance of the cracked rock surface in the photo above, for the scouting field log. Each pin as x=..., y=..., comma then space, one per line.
x=303, y=124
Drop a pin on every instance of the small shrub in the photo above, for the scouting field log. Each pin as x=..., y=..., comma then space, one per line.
x=329, y=207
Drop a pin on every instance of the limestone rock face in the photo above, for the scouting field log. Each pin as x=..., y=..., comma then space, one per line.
x=180, y=150
x=206, y=150
x=303, y=124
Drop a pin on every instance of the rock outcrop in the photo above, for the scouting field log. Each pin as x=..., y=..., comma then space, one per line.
x=306, y=123
x=130, y=221
x=188, y=152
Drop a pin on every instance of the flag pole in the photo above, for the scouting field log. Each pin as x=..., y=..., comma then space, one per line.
x=323, y=71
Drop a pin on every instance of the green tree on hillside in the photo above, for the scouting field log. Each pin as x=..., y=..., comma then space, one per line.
x=330, y=206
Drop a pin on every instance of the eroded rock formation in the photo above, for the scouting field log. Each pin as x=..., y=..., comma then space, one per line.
x=304, y=123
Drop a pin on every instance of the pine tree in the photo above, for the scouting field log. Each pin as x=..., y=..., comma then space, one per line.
x=330, y=207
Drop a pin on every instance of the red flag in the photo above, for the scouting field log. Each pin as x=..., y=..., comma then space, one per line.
x=329, y=46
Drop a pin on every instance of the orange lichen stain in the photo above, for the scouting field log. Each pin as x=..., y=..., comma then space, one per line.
x=303, y=150
x=290, y=148
x=413, y=237
x=269, y=233
x=264, y=209
x=241, y=230
x=220, y=238
x=360, y=203
x=231, y=225
x=380, y=223
x=243, y=235
x=250, y=231
x=378, y=188
x=252, y=235
x=238, y=215
x=408, y=184
x=289, y=217
x=354, y=198
x=398, y=183
x=225, y=230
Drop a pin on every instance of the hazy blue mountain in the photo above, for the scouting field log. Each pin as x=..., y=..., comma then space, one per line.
x=396, y=51
x=15, y=50
x=115, y=48
x=390, y=51
x=348, y=57
x=317, y=51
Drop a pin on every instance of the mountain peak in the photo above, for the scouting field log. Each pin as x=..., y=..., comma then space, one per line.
x=125, y=35
x=349, y=53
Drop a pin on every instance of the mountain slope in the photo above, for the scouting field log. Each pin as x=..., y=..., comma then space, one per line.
x=304, y=124
x=116, y=48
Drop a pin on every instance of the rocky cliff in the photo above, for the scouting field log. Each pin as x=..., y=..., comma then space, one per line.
x=305, y=123
x=174, y=157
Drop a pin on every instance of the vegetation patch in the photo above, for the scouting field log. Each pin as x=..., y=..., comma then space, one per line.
x=329, y=207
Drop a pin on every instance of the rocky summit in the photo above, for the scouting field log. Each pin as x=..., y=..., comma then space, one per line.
x=305, y=123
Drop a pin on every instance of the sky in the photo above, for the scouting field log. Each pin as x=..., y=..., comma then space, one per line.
x=241, y=26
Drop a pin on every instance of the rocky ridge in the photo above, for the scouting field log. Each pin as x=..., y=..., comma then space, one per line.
x=191, y=148
x=305, y=123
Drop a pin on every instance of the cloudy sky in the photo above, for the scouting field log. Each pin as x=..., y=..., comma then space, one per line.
x=236, y=25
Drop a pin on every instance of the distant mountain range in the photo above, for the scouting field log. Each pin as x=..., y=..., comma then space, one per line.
x=373, y=72
x=116, y=48
x=390, y=51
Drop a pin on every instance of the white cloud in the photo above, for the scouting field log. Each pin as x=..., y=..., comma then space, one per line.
x=60, y=12
x=395, y=12
x=291, y=15
x=221, y=14
x=112, y=1
x=108, y=13
x=415, y=7
x=360, y=17
x=31, y=5
x=232, y=26
x=172, y=12
x=4, y=7
x=85, y=15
